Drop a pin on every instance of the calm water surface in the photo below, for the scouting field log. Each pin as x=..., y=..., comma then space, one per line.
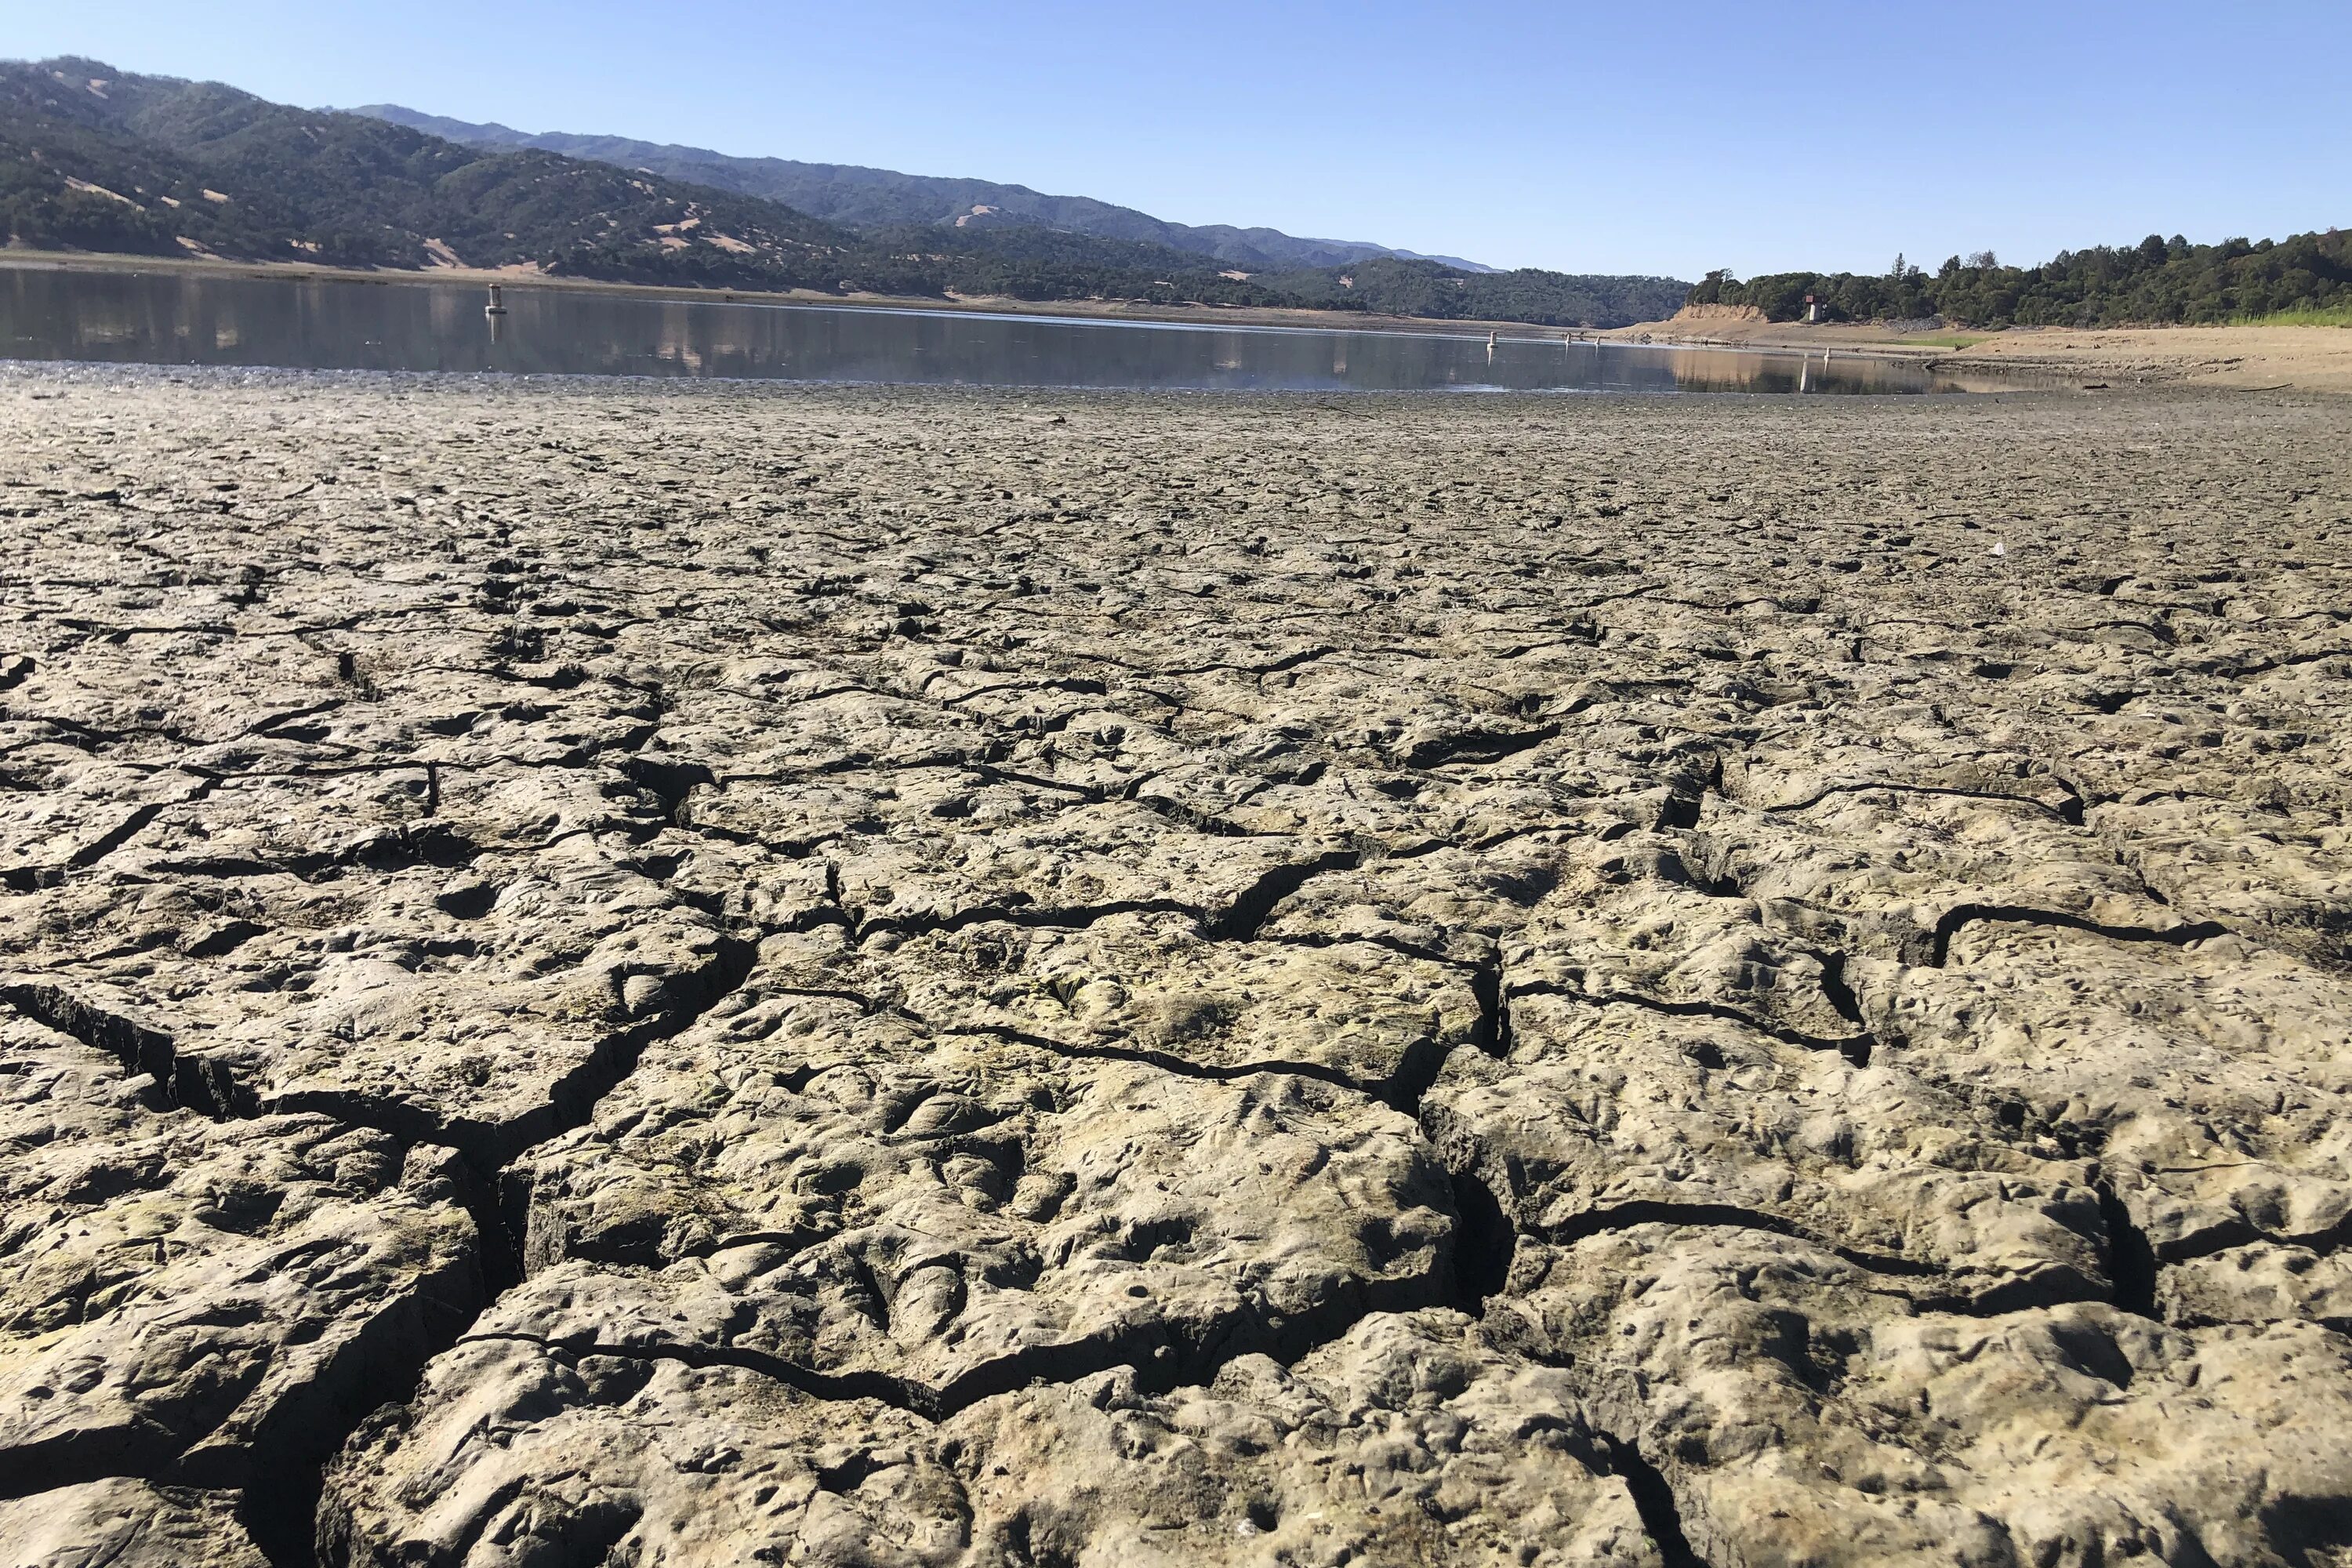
x=179, y=318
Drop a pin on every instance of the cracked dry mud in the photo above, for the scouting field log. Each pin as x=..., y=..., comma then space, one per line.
x=631, y=974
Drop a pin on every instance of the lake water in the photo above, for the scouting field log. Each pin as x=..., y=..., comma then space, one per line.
x=166, y=317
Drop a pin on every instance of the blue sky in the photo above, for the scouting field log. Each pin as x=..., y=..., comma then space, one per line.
x=1637, y=138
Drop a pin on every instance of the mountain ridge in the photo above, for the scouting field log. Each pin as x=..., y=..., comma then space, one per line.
x=862, y=197
x=100, y=160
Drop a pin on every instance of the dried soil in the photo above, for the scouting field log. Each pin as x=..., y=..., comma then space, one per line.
x=610, y=973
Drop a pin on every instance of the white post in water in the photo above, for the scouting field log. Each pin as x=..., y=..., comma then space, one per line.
x=497, y=305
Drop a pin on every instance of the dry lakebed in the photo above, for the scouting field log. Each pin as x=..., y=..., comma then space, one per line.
x=627, y=973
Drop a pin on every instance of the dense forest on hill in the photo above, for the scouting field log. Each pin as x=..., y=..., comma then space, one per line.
x=92, y=159
x=1032, y=264
x=1528, y=294
x=2159, y=280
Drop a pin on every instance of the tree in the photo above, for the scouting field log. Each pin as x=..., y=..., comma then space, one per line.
x=1709, y=290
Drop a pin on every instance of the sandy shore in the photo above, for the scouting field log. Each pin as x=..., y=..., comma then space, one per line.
x=2314, y=359
x=2306, y=359
x=614, y=971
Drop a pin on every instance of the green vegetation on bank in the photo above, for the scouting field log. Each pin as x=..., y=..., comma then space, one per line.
x=2335, y=316
x=2157, y=281
x=92, y=159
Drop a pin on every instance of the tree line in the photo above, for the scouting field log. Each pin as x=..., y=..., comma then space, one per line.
x=2157, y=281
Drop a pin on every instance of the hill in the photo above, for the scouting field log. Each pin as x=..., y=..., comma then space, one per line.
x=865, y=198
x=1400, y=288
x=94, y=159
x=2158, y=282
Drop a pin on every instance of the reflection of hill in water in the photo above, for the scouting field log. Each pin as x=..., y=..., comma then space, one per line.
x=183, y=318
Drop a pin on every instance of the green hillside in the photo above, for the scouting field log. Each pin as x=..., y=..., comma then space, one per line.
x=95, y=159
x=1529, y=294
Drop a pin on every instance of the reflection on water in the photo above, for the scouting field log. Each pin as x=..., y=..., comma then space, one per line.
x=180, y=318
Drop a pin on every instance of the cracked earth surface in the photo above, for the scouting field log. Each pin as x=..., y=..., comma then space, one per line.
x=628, y=974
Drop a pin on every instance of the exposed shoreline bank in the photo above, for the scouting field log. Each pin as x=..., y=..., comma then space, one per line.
x=2230, y=358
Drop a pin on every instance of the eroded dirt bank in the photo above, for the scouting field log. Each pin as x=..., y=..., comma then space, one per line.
x=2256, y=358
x=667, y=973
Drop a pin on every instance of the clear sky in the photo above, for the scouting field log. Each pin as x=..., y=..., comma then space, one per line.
x=1633, y=137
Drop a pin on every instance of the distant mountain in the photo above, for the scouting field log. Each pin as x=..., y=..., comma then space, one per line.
x=867, y=199
x=95, y=159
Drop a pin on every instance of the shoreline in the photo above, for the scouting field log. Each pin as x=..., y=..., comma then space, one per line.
x=2233, y=358
x=977, y=304
x=2225, y=358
